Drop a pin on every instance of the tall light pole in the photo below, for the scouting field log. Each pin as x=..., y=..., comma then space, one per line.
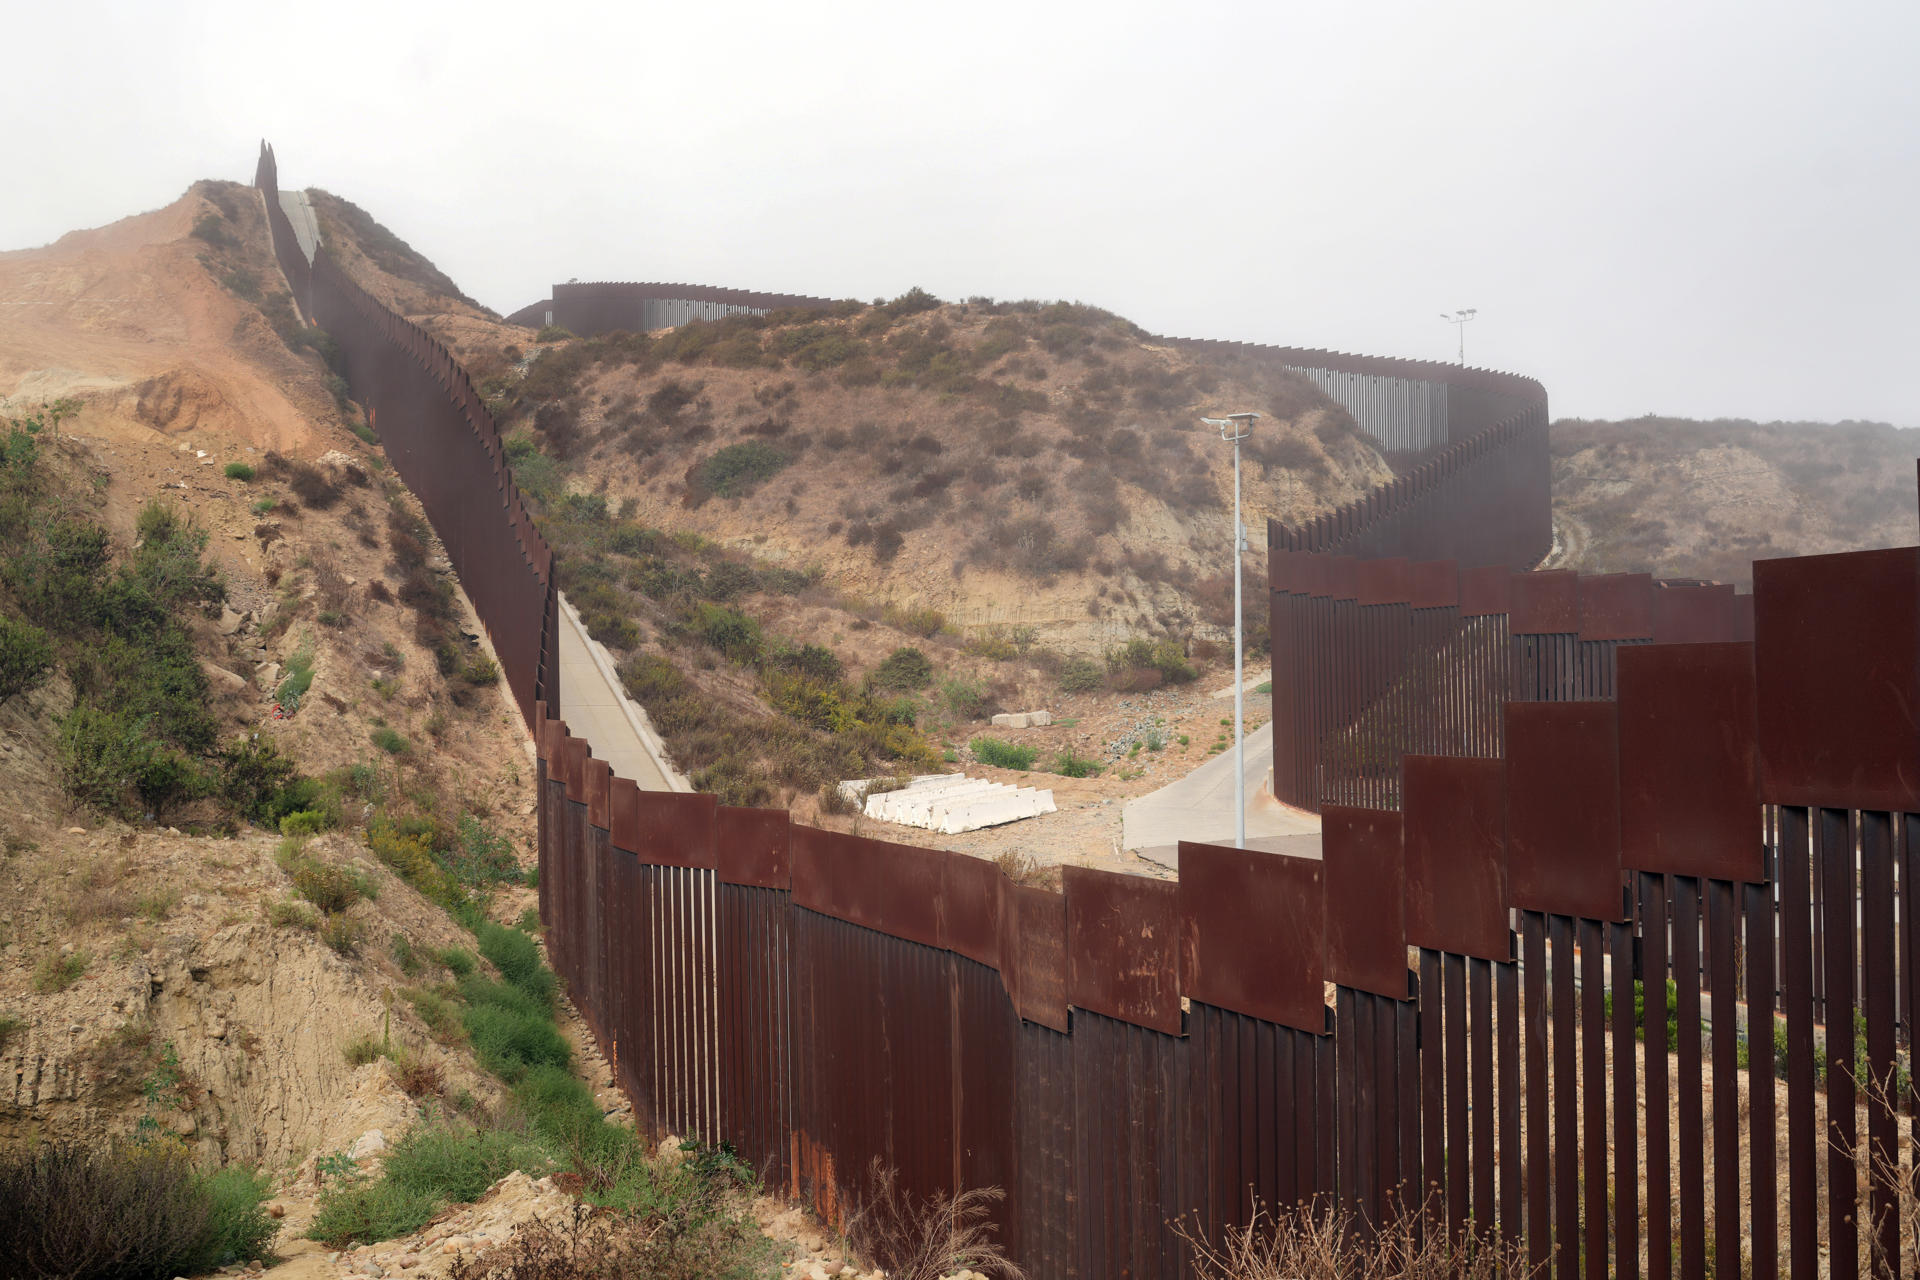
x=1234, y=428
x=1459, y=321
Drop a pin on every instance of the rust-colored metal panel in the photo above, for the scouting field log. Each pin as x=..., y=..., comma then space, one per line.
x=1455, y=836
x=894, y=888
x=1434, y=584
x=1563, y=808
x=1344, y=578
x=1837, y=655
x=1616, y=606
x=1689, y=768
x=574, y=754
x=1280, y=567
x=1366, y=920
x=671, y=829
x=623, y=803
x=970, y=908
x=1383, y=581
x=540, y=728
x=1123, y=949
x=1315, y=574
x=752, y=847
x=1545, y=603
x=1033, y=954
x=599, y=775
x=1485, y=590
x=1253, y=933
x=1693, y=614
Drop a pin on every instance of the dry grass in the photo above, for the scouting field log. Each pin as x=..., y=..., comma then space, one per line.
x=1321, y=1244
x=1027, y=871
x=915, y=1238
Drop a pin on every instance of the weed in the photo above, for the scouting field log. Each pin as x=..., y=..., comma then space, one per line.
x=389, y=741
x=1002, y=754
x=915, y=1238
x=10, y=1026
x=364, y=1049
x=418, y=1079
x=57, y=972
x=1081, y=675
x=292, y=913
x=263, y=505
x=343, y=933
x=26, y=657
x=1069, y=765
x=239, y=471
x=904, y=668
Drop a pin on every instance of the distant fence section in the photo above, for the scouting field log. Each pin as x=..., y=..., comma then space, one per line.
x=605, y=307
x=1478, y=487
x=443, y=442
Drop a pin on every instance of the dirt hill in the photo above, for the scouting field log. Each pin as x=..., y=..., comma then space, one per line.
x=1694, y=499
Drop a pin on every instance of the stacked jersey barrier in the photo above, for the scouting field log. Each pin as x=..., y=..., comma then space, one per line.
x=442, y=441
x=1743, y=817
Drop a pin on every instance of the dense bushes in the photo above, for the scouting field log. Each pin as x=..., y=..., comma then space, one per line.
x=1002, y=754
x=735, y=471
x=133, y=1210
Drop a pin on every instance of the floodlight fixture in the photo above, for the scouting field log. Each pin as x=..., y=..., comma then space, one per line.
x=1459, y=321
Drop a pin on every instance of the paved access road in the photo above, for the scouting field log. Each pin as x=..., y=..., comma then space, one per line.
x=1199, y=807
x=597, y=708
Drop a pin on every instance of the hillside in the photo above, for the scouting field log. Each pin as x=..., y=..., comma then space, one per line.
x=266, y=800
x=1693, y=499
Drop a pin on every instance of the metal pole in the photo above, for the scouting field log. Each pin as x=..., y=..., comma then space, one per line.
x=1239, y=674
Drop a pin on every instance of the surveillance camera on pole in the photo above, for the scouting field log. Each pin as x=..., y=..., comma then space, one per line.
x=1234, y=428
x=1459, y=321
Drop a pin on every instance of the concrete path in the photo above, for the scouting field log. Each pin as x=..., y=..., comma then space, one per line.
x=1199, y=807
x=597, y=708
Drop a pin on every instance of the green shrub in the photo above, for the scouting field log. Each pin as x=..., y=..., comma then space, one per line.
x=303, y=822
x=456, y=1163
x=964, y=697
x=239, y=471
x=299, y=679
x=369, y=1211
x=292, y=913
x=509, y=1041
x=1069, y=765
x=261, y=784
x=481, y=671
x=328, y=887
x=1002, y=754
x=133, y=1209
x=731, y=632
x=517, y=957
x=438, y=1011
x=26, y=657
x=455, y=960
x=100, y=753
x=904, y=668
x=739, y=469
x=263, y=505
x=548, y=333
x=389, y=741
x=344, y=934
x=1081, y=675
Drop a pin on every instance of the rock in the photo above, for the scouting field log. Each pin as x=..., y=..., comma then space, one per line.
x=409, y=1260
x=370, y=1143
x=231, y=622
x=276, y=1210
x=374, y=1270
x=76, y=831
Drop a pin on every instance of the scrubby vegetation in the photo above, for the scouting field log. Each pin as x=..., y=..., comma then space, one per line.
x=135, y=1209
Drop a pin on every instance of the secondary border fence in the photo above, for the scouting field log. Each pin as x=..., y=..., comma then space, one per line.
x=1615, y=963
x=438, y=434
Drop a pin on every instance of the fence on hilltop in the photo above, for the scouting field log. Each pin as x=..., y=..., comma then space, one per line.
x=1636, y=786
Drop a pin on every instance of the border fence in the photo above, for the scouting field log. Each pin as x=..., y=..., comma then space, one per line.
x=1610, y=953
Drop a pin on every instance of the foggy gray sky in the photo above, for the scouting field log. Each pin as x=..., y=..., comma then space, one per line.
x=1700, y=209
